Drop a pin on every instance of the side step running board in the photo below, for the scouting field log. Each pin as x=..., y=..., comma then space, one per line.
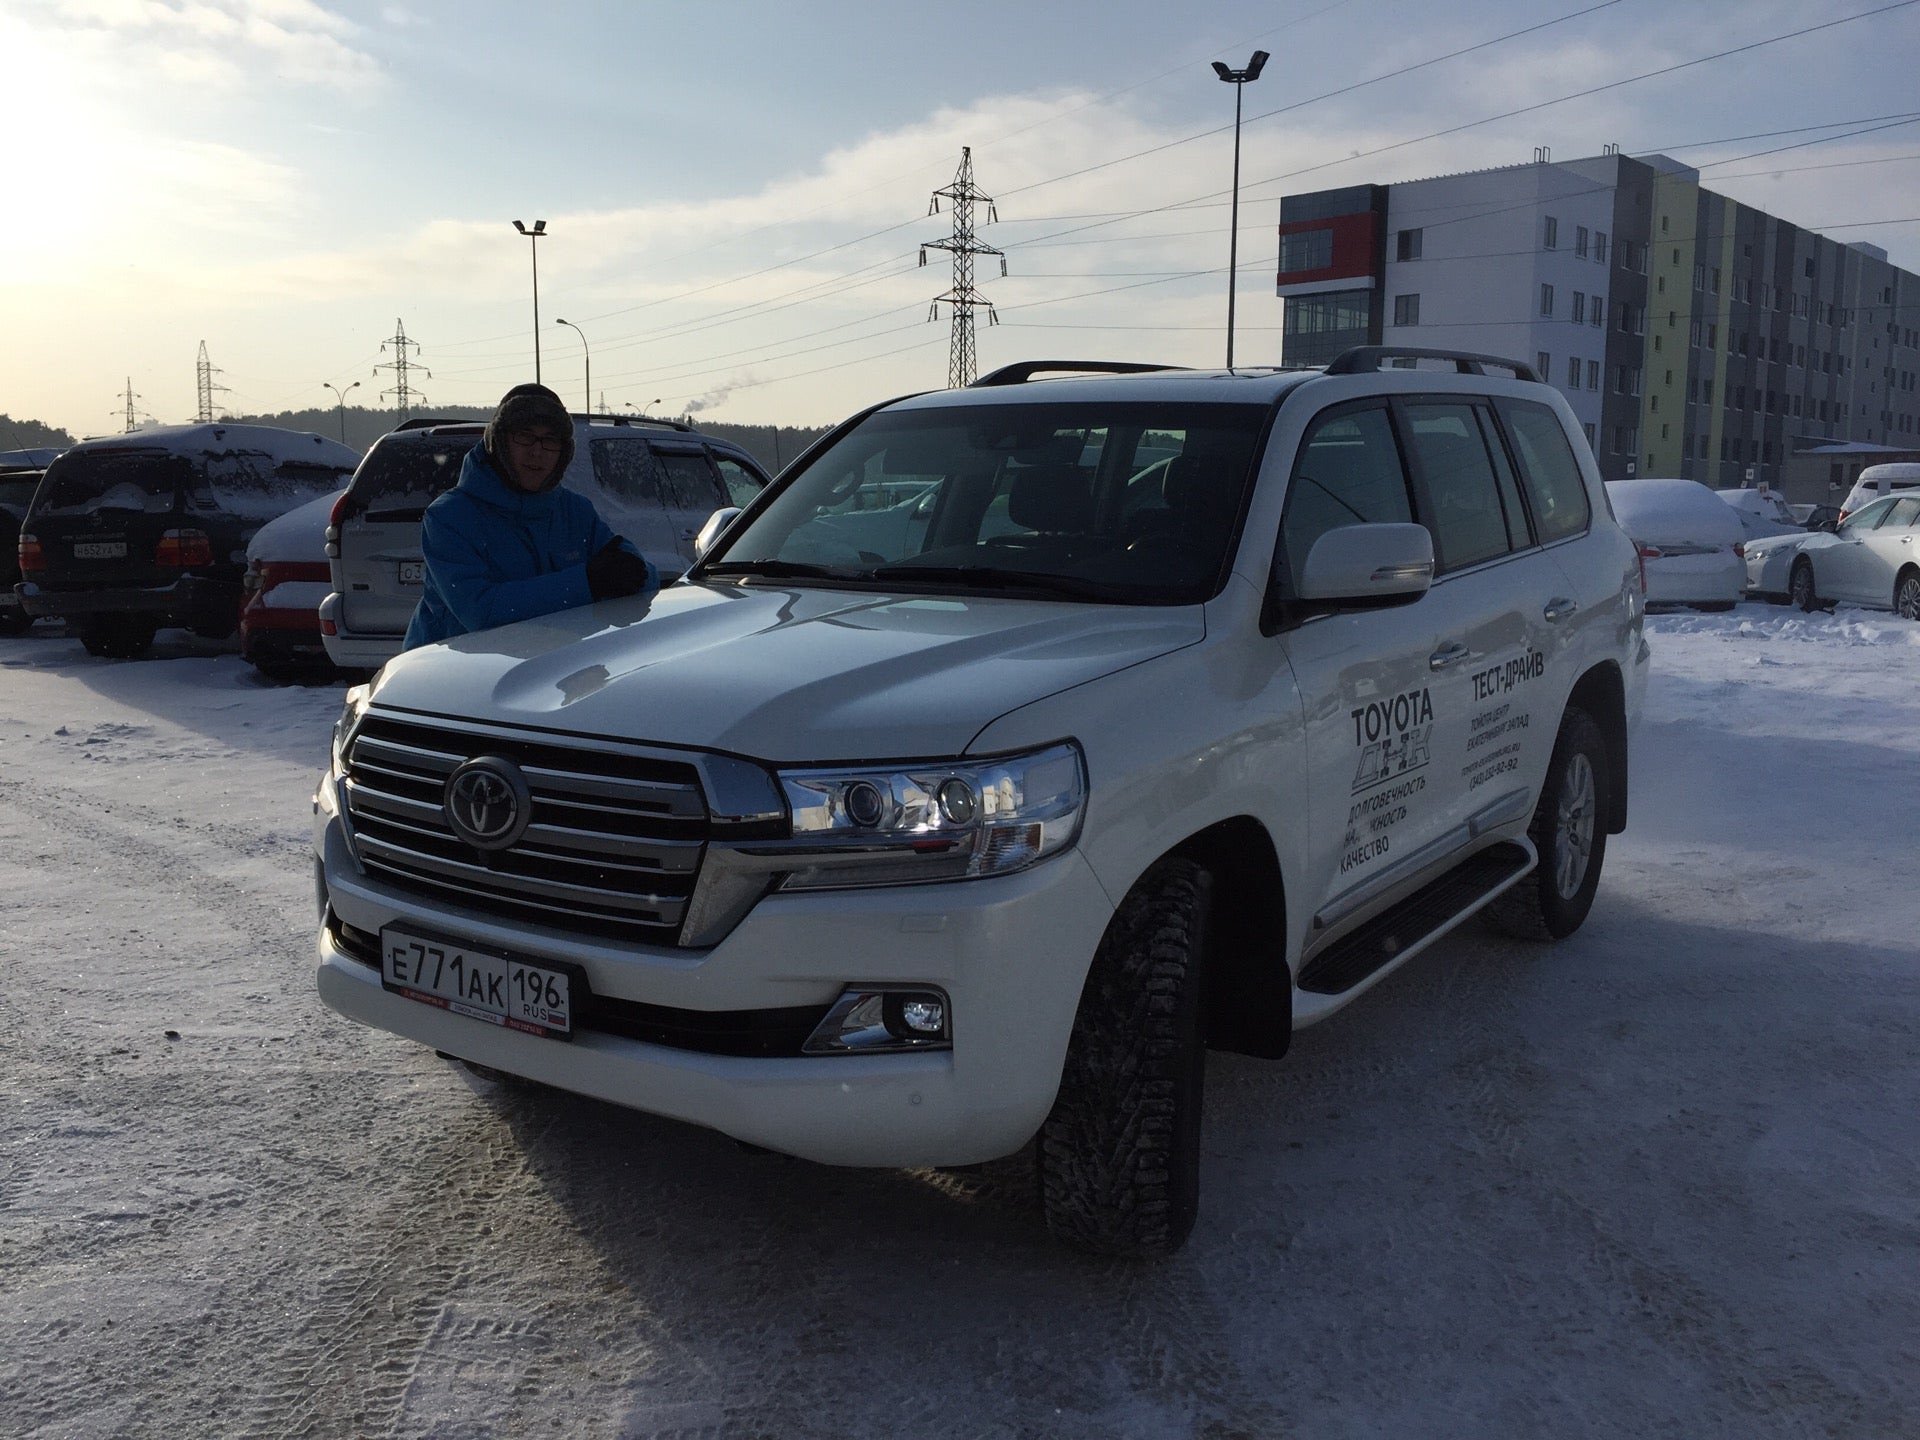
x=1424, y=915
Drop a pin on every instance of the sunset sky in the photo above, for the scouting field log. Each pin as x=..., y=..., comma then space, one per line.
x=736, y=193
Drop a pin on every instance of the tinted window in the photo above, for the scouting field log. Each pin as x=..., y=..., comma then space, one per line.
x=1867, y=516
x=1348, y=473
x=688, y=482
x=147, y=480
x=1469, y=514
x=18, y=492
x=626, y=468
x=742, y=484
x=1548, y=470
x=400, y=478
x=250, y=484
x=1903, y=514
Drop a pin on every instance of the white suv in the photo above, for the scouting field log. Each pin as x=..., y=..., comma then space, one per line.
x=1177, y=710
x=653, y=481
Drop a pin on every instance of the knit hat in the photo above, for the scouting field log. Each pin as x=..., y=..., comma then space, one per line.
x=528, y=407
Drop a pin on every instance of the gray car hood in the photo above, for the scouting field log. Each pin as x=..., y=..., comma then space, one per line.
x=785, y=675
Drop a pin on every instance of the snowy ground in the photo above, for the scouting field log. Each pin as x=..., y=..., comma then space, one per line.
x=1663, y=1179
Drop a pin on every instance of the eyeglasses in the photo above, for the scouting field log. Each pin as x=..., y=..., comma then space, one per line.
x=536, y=440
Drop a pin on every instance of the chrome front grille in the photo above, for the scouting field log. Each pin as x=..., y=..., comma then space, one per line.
x=614, y=846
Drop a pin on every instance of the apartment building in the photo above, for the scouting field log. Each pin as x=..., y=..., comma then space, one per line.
x=1693, y=335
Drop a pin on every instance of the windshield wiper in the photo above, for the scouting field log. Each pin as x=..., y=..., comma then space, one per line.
x=988, y=577
x=778, y=570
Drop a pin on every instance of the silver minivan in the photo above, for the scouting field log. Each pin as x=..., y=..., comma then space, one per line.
x=654, y=481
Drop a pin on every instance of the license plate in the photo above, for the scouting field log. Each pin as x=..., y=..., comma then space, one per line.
x=537, y=999
x=413, y=572
x=100, y=550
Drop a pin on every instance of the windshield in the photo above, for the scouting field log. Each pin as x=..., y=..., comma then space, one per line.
x=130, y=479
x=400, y=478
x=1130, y=503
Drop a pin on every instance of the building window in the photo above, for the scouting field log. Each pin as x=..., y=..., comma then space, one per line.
x=1579, y=308
x=1306, y=250
x=1587, y=426
x=1700, y=277
x=1409, y=244
x=1573, y=372
x=1600, y=246
x=1693, y=333
x=1714, y=286
x=1706, y=392
x=1593, y=374
x=1543, y=366
x=1546, y=300
x=1597, y=313
x=1663, y=224
x=1406, y=308
x=1550, y=234
x=1580, y=252
x=1809, y=267
x=1713, y=334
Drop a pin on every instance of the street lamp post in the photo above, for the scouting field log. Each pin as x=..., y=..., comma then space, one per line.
x=533, y=240
x=587, y=355
x=340, y=403
x=1237, y=79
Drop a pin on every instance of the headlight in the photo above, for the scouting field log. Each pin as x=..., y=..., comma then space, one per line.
x=944, y=820
x=349, y=721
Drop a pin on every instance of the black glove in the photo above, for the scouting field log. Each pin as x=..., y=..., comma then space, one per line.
x=616, y=571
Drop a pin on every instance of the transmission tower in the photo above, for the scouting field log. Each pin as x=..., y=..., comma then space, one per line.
x=132, y=422
x=400, y=365
x=963, y=298
x=204, y=373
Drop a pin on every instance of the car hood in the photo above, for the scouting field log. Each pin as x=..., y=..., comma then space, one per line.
x=785, y=675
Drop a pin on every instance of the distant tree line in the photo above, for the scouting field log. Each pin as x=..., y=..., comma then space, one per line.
x=773, y=446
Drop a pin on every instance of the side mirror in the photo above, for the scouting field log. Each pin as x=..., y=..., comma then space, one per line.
x=1367, y=565
x=710, y=532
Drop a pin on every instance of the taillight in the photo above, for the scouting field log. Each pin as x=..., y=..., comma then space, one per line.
x=183, y=548
x=32, y=557
x=344, y=509
x=1646, y=553
x=1740, y=548
x=1841, y=516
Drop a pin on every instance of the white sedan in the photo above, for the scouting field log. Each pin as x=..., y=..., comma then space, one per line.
x=1690, y=541
x=1873, y=559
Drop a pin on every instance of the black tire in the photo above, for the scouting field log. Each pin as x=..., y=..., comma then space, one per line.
x=1715, y=607
x=1569, y=831
x=1800, y=587
x=1906, y=595
x=15, y=622
x=1119, y=1156
x=117, y=637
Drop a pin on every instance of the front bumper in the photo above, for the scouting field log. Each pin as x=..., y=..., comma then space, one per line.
x=1011, y=954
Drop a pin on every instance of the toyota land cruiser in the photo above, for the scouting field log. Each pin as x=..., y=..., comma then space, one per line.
x=1018, y=745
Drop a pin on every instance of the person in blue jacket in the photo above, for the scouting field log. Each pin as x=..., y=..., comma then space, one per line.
x=507, y=543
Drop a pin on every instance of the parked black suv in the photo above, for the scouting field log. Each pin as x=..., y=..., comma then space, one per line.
x=133, y=533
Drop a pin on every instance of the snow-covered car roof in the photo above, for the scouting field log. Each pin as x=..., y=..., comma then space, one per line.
x=284, y=447
x=300, y=534
x=1656, y=508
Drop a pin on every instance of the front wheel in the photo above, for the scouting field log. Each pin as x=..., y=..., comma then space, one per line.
x=1569, y=831
x=1906, y=595
x=1119, y=1156
x=1800, y=590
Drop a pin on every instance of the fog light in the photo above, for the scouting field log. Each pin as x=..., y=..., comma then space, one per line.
x=869, y=1020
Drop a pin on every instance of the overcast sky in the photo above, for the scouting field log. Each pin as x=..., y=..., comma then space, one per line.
x=736, y=190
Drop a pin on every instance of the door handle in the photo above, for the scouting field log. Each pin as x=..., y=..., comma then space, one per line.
x=1559, y=609
x=1452, y=653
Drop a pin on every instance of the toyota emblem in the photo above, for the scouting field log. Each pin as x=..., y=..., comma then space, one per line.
x=488, y=803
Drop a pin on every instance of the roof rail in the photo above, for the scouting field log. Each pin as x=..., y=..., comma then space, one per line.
x=1022, y=371
x=428, y=422
x=632, y=420
x=1365, y=360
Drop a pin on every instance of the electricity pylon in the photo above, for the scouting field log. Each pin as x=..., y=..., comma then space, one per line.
x=963, y=298
x=204, y=372
x=400, y=364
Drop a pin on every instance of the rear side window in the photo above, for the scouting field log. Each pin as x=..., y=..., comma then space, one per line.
x=628, y=469
x=18, y=494
x=1348, y=472
x=252, y=485
x=1902, y=514
x=1548, y=469
x=1472, y=518
x=742, y=484
x=399, y=479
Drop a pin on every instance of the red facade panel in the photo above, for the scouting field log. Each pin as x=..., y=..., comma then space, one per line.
x=1356, y=240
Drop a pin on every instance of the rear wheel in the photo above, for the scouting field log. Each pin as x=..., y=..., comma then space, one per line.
x=1906, y=595
x=1800, y=590
x=15, y=622
x=1119, y=1156
x=1570, y=833
x=117, y=637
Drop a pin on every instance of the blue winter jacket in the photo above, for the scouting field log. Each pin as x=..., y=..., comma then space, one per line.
x=496, y=554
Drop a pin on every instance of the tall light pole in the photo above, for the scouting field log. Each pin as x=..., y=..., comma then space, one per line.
x=340, y=403
x=587, y=354
x=1237, y=79
x=533, y=240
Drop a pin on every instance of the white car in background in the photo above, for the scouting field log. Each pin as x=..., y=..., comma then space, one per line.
x=1762, y=512
x=1873, y=559
x=1878, y=480
x=1691, y=543
x=285, y=582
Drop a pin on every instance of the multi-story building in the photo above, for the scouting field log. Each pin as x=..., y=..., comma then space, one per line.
x=1694, y=335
